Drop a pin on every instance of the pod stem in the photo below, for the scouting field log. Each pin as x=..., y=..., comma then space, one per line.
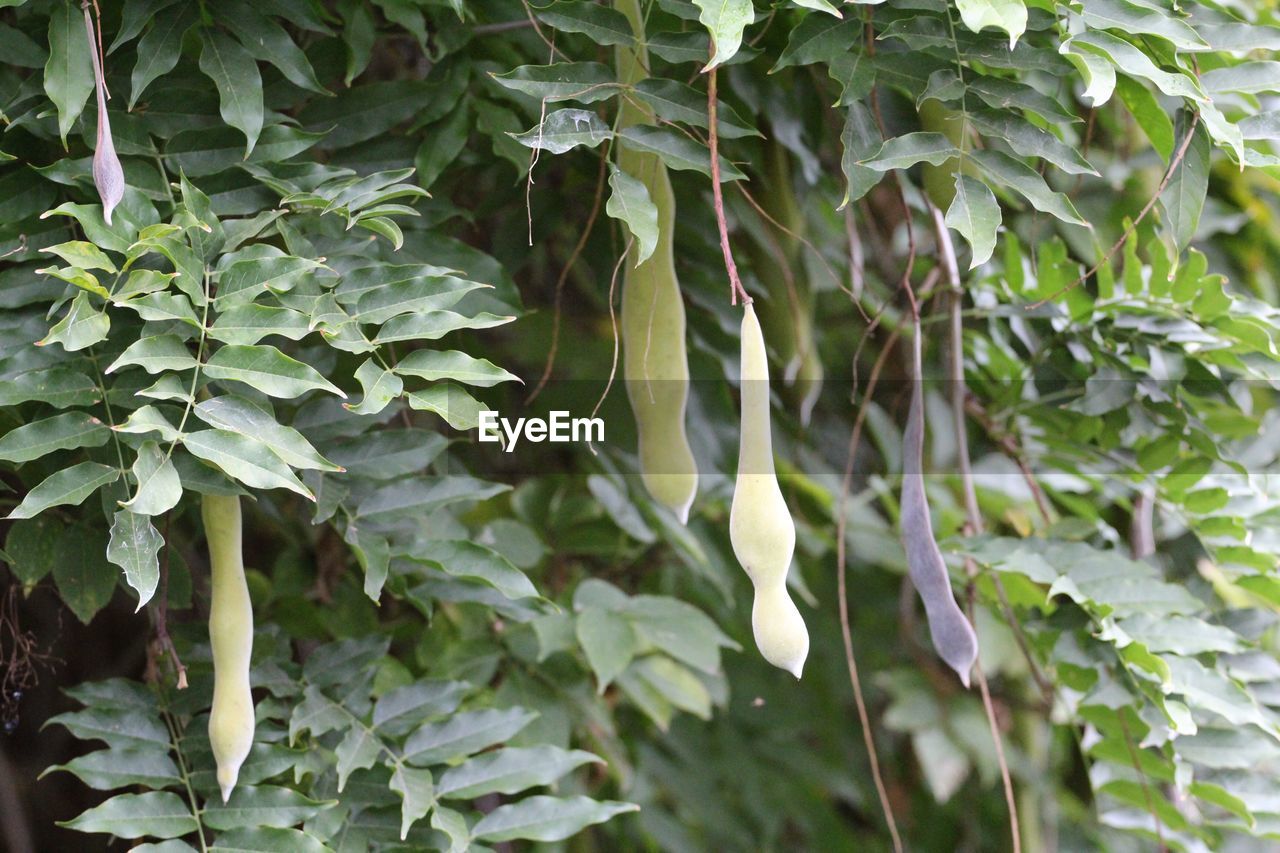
x=736, y=289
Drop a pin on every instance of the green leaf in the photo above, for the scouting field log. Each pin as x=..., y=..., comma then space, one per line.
x=247, y=324
x=266, y=369
x=107, y=769
x=465, y=559
x=451, y=364
x=1150, y=116
x=235, y=73
x=674, y=101
x=120, y=725
x=267, y=839
x=861, y=140
x=459, y=409
x=1184, y=197
x=609, y=643
x=85, y=580
x=433, y=325
x=903, y=152
x=585, y=82
x=357, y=750
x=1130, y=60
x=263, y=805
x=975, y=214
x=565, y=129
x=423, y=495
x=245, y=278
x=68, y=74
x=546, y=818
x=398, y=711
x=135, y=547
x=67, y=431
x=677, y=151
x=69, y=486
x=510, y=771
x=263, y=37
x=630, y=204
x=148, y=419
x=32, y=548
x=725, y=21
x=679, y=629
x=240, y=415
x=82, y=255
x=1007, y=15
x=244, y=459
x=1018, y=176
x=1132, y=19
x=155, y=354
x=1031, y=141
x=463, y=734
x=601, y=24
x=417, y=793
x=454, y=826
x=160, y=814
x=81, y=327
x=158, y=487
x=1256, y=77
x=60, y=387
x=161, y=47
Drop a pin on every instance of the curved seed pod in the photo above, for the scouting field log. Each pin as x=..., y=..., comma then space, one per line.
x=953, y=636
x=231, y=721
x=760, y=526
x=940, y=181
x=108, y=175
x=655, y=363
x=776, y=258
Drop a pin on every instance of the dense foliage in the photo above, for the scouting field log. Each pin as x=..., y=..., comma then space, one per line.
x=348, y=227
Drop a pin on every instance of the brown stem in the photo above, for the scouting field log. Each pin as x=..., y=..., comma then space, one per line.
x=842, y=595
x=1151, y=202
x=735, y=283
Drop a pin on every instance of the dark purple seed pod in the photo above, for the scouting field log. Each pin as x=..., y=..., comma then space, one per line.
x=108, y=175
x=953, y=636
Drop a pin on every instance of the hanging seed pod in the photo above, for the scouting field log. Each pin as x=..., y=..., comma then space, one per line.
x=760, y=526
x=108, y=175
x=654, y=359
x=231, y=720
x=777, y=258
x=953, y=636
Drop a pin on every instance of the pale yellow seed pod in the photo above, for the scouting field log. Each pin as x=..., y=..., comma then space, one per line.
x=231, y=721
x=655, y=363
x=760, y=526
x=779, y=629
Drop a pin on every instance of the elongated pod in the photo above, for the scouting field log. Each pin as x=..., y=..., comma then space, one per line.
x=953, y=636
x=776, y=256
x=231, y=721
x=108, y=175
x=760, y=526
x=655, y=363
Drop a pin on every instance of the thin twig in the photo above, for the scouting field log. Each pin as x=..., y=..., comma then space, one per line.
x=613, y=323
x=842, y=594
x=1151, y=202
x=564, y=277
x=735, y=283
